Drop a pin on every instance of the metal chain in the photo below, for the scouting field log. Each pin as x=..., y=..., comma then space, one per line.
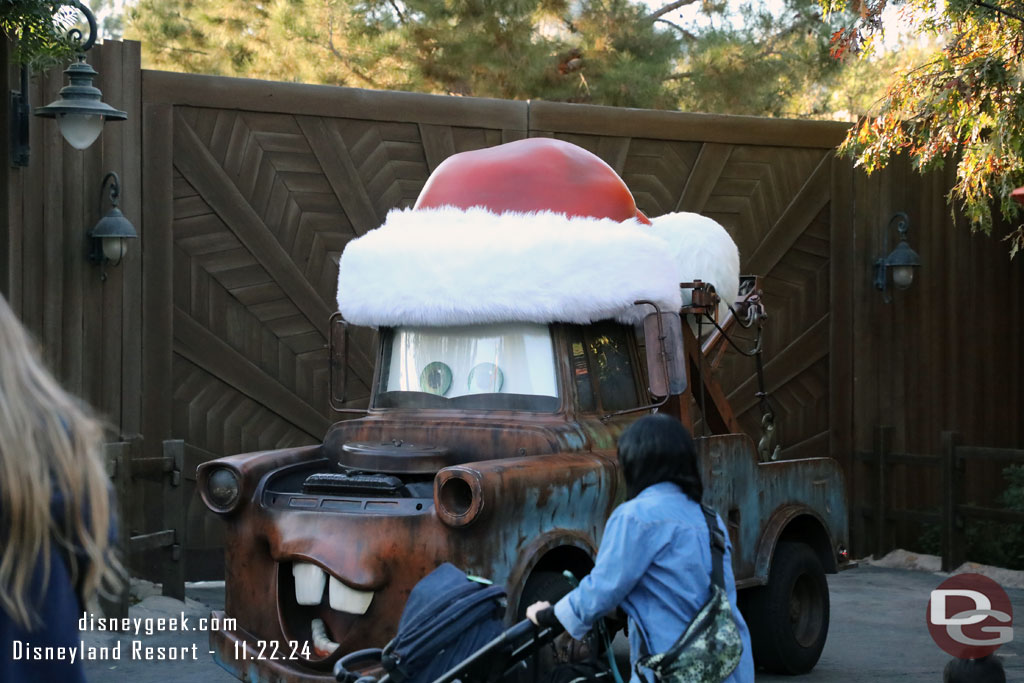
x=767, y=446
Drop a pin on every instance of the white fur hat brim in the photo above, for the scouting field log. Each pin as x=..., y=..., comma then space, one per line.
x=450, y=266
x=702, y=250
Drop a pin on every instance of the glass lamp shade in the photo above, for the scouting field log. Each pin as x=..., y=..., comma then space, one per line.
x=110, y=237
x=114, y=249
x=902, y=276
x=80, y=130
x=902, y=262
x=78, y=108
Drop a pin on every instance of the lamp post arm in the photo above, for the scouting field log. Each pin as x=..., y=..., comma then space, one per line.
x=115, y=189
x=74, y=34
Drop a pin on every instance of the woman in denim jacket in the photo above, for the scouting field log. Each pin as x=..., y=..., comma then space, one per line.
x=655, y=556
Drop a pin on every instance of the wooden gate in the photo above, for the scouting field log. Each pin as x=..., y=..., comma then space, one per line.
x=252, y=189
x=771, y=184
x=249, y=191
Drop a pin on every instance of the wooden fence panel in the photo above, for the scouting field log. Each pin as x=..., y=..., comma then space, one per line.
x=268, y=189
x=257, y=198
x=264, y=201
x=213, y=330
x=772, y=193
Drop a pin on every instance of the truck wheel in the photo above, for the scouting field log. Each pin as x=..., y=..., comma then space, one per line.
x=788, y=618
x=550, y=586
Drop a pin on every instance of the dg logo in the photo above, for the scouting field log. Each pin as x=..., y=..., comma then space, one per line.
x=970, y=616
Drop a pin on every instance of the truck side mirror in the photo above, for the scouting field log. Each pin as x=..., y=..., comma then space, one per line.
x=663, y=339
x=338, y=360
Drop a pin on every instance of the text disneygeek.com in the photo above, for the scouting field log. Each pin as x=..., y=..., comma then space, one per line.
x=133, y=649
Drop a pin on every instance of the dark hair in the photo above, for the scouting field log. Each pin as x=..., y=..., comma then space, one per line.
x=658, y=448
x=982, y=670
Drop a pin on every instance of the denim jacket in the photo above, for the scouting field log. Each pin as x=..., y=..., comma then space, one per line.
x=655, y=562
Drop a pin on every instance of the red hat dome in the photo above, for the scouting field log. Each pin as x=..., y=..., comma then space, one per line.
x=537, y=231
x=535, y=174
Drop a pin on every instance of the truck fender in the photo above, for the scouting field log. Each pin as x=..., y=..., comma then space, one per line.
x=805, y=524
x=539, y=553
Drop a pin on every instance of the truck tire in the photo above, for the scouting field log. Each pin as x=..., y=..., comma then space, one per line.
x=788, y=617
x=550, y=586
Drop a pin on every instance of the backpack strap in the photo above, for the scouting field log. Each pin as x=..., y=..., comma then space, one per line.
x=717, y=546
x=717, y=556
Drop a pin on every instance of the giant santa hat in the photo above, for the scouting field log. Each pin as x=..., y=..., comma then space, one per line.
x=537, y=230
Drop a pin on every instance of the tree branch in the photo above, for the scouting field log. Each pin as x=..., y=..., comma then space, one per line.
x=1000, y=10
x=796, y=26
x=401, y=17
x=170, y=48
x=653, y=16
x=343, y=59
x=686, y=34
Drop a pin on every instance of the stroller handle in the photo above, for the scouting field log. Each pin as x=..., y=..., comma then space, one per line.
x=521, y=629
x=512, y=635
x=352, y=659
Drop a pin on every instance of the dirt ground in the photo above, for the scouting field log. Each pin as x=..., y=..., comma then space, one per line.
x=877, y=633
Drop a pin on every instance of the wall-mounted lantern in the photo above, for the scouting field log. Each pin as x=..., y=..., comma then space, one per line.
x=902, y=260
x=109, y=238
x=79, y=109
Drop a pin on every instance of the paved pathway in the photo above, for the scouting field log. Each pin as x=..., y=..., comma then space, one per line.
x=877, y=633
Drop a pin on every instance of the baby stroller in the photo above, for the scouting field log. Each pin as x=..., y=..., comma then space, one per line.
x=451, y=629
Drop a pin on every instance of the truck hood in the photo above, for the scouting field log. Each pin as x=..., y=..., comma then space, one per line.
x=426, y=444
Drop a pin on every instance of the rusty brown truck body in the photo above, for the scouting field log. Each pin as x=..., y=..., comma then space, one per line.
x=515, y=491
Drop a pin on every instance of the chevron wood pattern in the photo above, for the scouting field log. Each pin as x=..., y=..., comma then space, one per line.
x=244, y=193
x=263, y=205
x=774, y=203
x=796, y=347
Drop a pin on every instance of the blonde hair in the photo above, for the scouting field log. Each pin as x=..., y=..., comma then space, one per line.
x=49, y=444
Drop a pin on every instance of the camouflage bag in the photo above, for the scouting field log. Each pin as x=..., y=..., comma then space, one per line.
x=709, y=650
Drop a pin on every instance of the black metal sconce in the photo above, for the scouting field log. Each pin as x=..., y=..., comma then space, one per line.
x=79, y=109
x=109, y=236
x=902, y=260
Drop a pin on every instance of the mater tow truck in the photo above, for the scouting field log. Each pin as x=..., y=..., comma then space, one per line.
x=527, y=313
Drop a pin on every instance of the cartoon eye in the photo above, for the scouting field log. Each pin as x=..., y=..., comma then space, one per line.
x=486, y=378
x=436, y=378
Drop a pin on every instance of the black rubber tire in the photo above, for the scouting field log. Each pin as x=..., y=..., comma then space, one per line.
x=550, y=586
x=788, y=617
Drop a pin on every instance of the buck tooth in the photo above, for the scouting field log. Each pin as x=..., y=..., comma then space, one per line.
x=309, y=583
x=323, y=645
x=345, y=599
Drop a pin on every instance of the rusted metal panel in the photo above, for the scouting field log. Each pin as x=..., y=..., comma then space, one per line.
x=386, y=546
x=538, y=483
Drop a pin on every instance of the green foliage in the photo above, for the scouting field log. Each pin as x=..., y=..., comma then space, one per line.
x=965, y=103
x=596, y=51
x=737, y=59
x=999, y=544
x=613, y=52
x=771, y=63
x=39, y=30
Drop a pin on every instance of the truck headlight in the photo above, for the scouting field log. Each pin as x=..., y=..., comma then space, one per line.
x=458, y=496
x=221, y=489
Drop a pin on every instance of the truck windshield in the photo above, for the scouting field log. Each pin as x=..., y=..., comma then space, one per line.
x=508, y=366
